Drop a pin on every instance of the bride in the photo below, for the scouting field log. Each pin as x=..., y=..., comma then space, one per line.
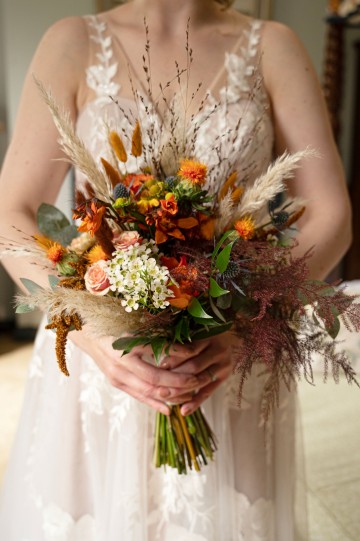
x=81, y=468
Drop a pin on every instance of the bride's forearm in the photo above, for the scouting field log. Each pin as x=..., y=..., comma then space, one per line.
x=330, y=240
x=17, y=227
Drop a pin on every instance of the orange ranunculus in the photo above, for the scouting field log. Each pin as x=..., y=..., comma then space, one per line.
x=92, y=221
x=170, y=262
x=180, y=300
x=169, y=205
x=165, y=228
x=134, y=182
x=187, y=223
x=245, y=227
x=207, y=226
x=193, y=171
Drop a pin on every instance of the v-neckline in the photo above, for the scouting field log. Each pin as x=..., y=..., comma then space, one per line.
x=210, y=88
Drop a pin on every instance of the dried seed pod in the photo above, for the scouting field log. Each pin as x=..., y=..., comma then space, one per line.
x=118, y=146
x=111, y=172
x=136, y=142
x=228, y=184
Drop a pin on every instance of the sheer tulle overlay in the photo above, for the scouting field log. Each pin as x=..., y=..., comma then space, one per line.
x=81, y=468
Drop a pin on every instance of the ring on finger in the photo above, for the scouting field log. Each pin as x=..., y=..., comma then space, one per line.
x=212, y=375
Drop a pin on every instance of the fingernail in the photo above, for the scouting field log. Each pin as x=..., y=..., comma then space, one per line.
x=164, y=364
x=186, y=410
x=165, y=411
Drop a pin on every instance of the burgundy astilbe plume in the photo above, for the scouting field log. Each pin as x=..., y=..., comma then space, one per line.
x=277, y=329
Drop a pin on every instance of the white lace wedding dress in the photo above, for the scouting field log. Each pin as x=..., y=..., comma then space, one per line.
x=81, y=468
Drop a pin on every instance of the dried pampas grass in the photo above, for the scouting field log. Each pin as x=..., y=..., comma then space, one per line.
x=74, y=147
x=268, y=185
x=105, y=318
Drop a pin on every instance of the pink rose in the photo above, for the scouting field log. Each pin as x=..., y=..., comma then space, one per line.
x=96, y=278
x=123, y=240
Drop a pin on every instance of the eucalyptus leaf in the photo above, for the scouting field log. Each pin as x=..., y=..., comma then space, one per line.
x=66, y=235
x=24, y=308
x=31, y=286
x=216, y=290
x=196, y=310
x=53, y=281
x=51, y=221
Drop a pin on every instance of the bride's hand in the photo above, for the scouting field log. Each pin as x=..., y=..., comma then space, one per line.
x=213, y=363
x=132, y=374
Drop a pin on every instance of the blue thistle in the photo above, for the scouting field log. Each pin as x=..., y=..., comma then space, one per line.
x=121, y=191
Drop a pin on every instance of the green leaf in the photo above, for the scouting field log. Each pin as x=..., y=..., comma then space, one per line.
x=205, y=321
x=53, y=281
x=51, y=221
x=202, y=335
x=334, y=329
x=216, y=310
x=323, y=288
x=178, y=332
x=216, y=290
x=66, y=235
x=224, y=302
x=218, y=246
x=196, y=310
x=127, y=343
x=157, y=345
x=31, y=286
x=24, y=308
x=223, y=258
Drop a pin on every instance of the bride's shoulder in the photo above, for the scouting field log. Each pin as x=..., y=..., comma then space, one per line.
x=279, y=39
x=66, y=40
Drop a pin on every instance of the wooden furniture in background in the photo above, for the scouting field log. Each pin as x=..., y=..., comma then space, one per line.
x=352, y=259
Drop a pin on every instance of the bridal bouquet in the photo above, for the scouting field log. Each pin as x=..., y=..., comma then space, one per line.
x=158, y=259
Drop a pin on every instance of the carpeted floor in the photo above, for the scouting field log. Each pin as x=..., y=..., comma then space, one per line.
x=331, y=429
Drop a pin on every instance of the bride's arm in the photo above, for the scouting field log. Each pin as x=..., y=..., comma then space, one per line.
x=300, y=120
x=31, y=175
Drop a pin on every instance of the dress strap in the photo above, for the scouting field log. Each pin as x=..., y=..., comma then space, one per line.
x=102, y=69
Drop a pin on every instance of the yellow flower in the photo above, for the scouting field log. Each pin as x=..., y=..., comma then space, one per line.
x=194, y=172
x=245, y=227
x=144, y=205
x=96, y=254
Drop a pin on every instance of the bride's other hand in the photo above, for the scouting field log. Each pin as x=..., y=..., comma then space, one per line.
x=135, y=375
x=213, y=363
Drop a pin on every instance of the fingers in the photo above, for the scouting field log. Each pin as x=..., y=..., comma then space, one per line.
x=206, y=359
x=158, y=377
x=199, y=398
x=181, y=352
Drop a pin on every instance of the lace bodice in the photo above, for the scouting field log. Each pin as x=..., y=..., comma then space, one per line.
x=233, y=130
